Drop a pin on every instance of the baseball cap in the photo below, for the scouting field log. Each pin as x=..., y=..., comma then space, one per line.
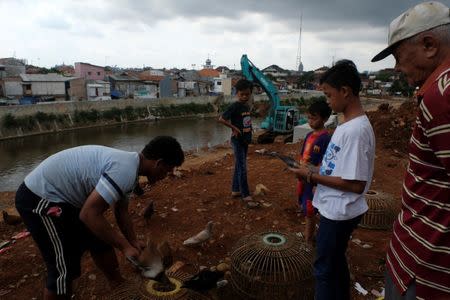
x=420, y=18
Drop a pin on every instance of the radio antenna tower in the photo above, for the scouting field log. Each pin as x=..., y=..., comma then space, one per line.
x=298, y=63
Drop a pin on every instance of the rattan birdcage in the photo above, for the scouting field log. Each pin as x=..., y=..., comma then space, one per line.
x=381, y=213
x=272, y=265
x=147, y=290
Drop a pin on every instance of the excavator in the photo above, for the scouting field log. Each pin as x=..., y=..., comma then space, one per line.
x=281, y=119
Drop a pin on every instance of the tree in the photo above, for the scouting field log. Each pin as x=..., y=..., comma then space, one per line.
x=306, y=79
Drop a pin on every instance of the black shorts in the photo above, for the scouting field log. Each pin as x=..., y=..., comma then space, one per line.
x=61, y=237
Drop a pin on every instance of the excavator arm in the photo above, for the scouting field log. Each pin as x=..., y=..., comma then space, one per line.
x=281, y=119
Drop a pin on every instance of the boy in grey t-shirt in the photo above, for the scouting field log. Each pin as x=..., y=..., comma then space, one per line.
x=63, y=201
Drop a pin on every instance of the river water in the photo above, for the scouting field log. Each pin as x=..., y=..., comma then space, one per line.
x=19, y=156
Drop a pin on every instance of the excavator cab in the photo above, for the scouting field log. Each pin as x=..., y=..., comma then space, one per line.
x=281, y=119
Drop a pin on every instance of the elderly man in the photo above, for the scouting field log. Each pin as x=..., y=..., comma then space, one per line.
x=63, y=202
x=418, y=258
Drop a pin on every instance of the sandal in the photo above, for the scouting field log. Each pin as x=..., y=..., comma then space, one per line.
x=235, y=194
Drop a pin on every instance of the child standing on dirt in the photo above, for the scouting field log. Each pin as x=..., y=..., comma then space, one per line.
x=237, y=117
x=312, y=152
x=344, y=178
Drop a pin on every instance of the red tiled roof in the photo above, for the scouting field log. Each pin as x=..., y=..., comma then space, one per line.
x=147, y=77
x=209, y=73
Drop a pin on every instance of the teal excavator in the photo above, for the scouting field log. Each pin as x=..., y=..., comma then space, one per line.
x=281, y=119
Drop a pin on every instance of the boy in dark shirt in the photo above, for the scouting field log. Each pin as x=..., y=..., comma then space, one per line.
x=237, y=117
x=313, y=149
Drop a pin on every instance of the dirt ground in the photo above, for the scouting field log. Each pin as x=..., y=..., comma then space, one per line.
x=202, y=193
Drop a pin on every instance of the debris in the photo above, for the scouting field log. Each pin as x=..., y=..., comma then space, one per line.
x=149, y=211
x=11, y=219
x=4, y=250
x=177, y=173
x=221, y=283
x=4, y=292
x=201, y=209
x=203, y=280
x=261, y=151
x=377, y=293
x=267, y=204
x=4, y=244
x=21, y=235
x=360, y=289
x=361, y=244
x=174, y=209
x=92, y=277
x=223, y=267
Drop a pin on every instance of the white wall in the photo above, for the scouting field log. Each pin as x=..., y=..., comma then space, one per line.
x=13, y=88
x=48, y=88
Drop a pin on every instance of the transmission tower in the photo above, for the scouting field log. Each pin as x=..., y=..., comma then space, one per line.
x=298, y=62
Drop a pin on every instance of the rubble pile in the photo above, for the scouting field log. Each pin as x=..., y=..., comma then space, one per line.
x=393, y=127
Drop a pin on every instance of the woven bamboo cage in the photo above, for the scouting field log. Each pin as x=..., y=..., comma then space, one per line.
x=272, y=265
x=149, y=290
x=381, y=213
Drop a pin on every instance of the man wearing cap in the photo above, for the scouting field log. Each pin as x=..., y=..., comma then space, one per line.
x=418, y=257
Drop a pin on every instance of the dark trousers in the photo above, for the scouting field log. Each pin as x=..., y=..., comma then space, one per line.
x=330, y=267
x=240, y=183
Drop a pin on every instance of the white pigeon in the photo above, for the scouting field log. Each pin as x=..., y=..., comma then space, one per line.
x=200, y=237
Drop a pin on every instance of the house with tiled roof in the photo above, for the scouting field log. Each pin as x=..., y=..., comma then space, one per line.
x=275, y=71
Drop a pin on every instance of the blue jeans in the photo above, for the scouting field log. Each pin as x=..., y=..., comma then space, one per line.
x=240, y=168
x=330, y=267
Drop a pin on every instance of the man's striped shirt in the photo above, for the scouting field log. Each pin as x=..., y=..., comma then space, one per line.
x=420, y=244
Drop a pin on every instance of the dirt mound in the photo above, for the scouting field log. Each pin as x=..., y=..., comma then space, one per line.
x=393, y=127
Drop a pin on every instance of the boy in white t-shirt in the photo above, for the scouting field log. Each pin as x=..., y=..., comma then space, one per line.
x=342, y=181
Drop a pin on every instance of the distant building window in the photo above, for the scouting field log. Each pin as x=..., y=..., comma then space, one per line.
x=98, y=73
x=219, y=82
x=89, y=73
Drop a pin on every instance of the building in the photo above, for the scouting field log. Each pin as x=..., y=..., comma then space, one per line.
x=208, y=74
x=89, y=72
x=45, y=86
x=125, y=86
x=76, y=89
x=275, y=71
x=222, y=85
x=12, y=66
x=98, y=90
x=11, y=87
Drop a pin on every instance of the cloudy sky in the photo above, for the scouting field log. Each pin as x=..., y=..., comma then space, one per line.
x=183, y=33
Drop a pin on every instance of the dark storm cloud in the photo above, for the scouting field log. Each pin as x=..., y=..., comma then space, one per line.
x=321, y=15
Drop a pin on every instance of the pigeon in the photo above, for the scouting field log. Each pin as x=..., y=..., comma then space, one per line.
x=11, y=219
x=203, y=280
x=151, y=261
x=200, y=237
x=148, y=211
x=260, y=189
x=154, y=260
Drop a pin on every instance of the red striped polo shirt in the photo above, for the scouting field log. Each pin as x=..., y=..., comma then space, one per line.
x=420, y=244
